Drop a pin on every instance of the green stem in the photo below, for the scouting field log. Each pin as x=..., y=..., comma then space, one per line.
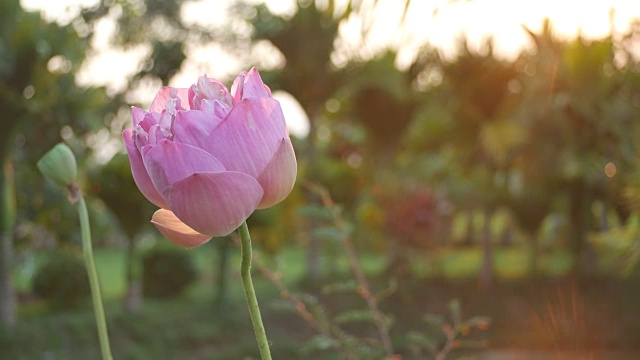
x=250, y=293
x=93, y=279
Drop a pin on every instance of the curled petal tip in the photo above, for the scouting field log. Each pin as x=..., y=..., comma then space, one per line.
x=176, y=231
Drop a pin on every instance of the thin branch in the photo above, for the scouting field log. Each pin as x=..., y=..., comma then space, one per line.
x=363, y=286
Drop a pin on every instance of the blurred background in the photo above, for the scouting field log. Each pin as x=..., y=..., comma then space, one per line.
x=475, y=160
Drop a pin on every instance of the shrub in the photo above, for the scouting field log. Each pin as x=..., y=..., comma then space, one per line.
x=62, y=281
x=167, y=272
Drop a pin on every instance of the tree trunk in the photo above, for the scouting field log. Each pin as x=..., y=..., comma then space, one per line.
x=7, y=223
x=534, y=255
x=507, y=235
x=487, y=277
x=470, y=235
x=581, y=223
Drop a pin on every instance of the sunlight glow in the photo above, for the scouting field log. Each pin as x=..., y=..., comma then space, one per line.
x=426, y=21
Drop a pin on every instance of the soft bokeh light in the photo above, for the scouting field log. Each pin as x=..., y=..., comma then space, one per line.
x=297, y=120
x=437, y=22
x=610, y=170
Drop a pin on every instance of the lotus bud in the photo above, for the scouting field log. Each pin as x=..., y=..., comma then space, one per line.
x=59, y=165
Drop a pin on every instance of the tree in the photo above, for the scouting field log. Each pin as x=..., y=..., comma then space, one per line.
x=306, y=41
x=585, y=122
x=484, y=134
x=38, y=94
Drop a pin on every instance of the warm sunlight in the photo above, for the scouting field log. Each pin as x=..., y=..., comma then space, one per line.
x=440, y=23
x=421, y=179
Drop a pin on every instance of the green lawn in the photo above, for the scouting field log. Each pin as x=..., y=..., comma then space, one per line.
x=510, y=263
x=192, y=325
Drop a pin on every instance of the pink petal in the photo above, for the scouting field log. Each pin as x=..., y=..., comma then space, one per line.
x=167, y=93
x=212, y=89
x=249, y=136
x=155, y=135
x=175, y=230
x=192, y=127
x=219, y=109
x=215, y=203
x=149, y=120
x=139, y=172
x=194, y=101
x=248, y=85
x=168, y=162
x=137, y=114
x=237, y=87
x=253, y=86
x=279, y=176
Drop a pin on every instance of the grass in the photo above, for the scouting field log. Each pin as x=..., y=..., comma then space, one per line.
x=509, y=263
x=193, y=327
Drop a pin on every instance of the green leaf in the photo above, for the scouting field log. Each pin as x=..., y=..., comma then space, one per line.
x=433, y=319
x=456, y=312
x=320, y=342
x=353, y=316
x=346, y=286
x=315, y=211
x=328, y=233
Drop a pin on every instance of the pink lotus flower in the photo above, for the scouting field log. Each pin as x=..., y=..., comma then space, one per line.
x=209, y=157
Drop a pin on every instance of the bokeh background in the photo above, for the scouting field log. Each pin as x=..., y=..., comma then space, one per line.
x=477, y=160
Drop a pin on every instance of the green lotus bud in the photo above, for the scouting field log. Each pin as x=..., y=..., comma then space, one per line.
x=59, y=165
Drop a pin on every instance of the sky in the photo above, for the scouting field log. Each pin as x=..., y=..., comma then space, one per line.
x=477, y=20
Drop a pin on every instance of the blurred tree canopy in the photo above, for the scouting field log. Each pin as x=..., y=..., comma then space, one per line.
x=41, y=104
x=441, y=138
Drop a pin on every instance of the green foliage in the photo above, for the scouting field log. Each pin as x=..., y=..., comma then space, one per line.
x=62, y=281
x=167, y=272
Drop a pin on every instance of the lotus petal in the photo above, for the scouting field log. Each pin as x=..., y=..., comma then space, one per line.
x=237, y=88
x=192, y=127
x=212, y=89
x=137, y=114
x=139, y=172
x=248, y=137
x=253, y=86
x=168, y=162
x=167, y=93
x=279, y=176
x=215, y=203
x=175, y=230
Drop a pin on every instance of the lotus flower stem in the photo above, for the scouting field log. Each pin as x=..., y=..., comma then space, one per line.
x=250, y=293
x=94, y=283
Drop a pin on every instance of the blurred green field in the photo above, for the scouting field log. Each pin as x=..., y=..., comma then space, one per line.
x=509, y=263
x=195, y=327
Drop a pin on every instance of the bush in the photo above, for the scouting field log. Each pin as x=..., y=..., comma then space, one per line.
x=62, y=281
x=167, y=272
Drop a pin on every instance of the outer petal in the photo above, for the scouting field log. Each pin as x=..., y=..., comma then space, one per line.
x=175, y=230
x=137, y=114
x=168, y=162
x=165, y=94
x=215, y=203
x=249, y=136
x=279, y=176
x=140, y=176
x=192, y=127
